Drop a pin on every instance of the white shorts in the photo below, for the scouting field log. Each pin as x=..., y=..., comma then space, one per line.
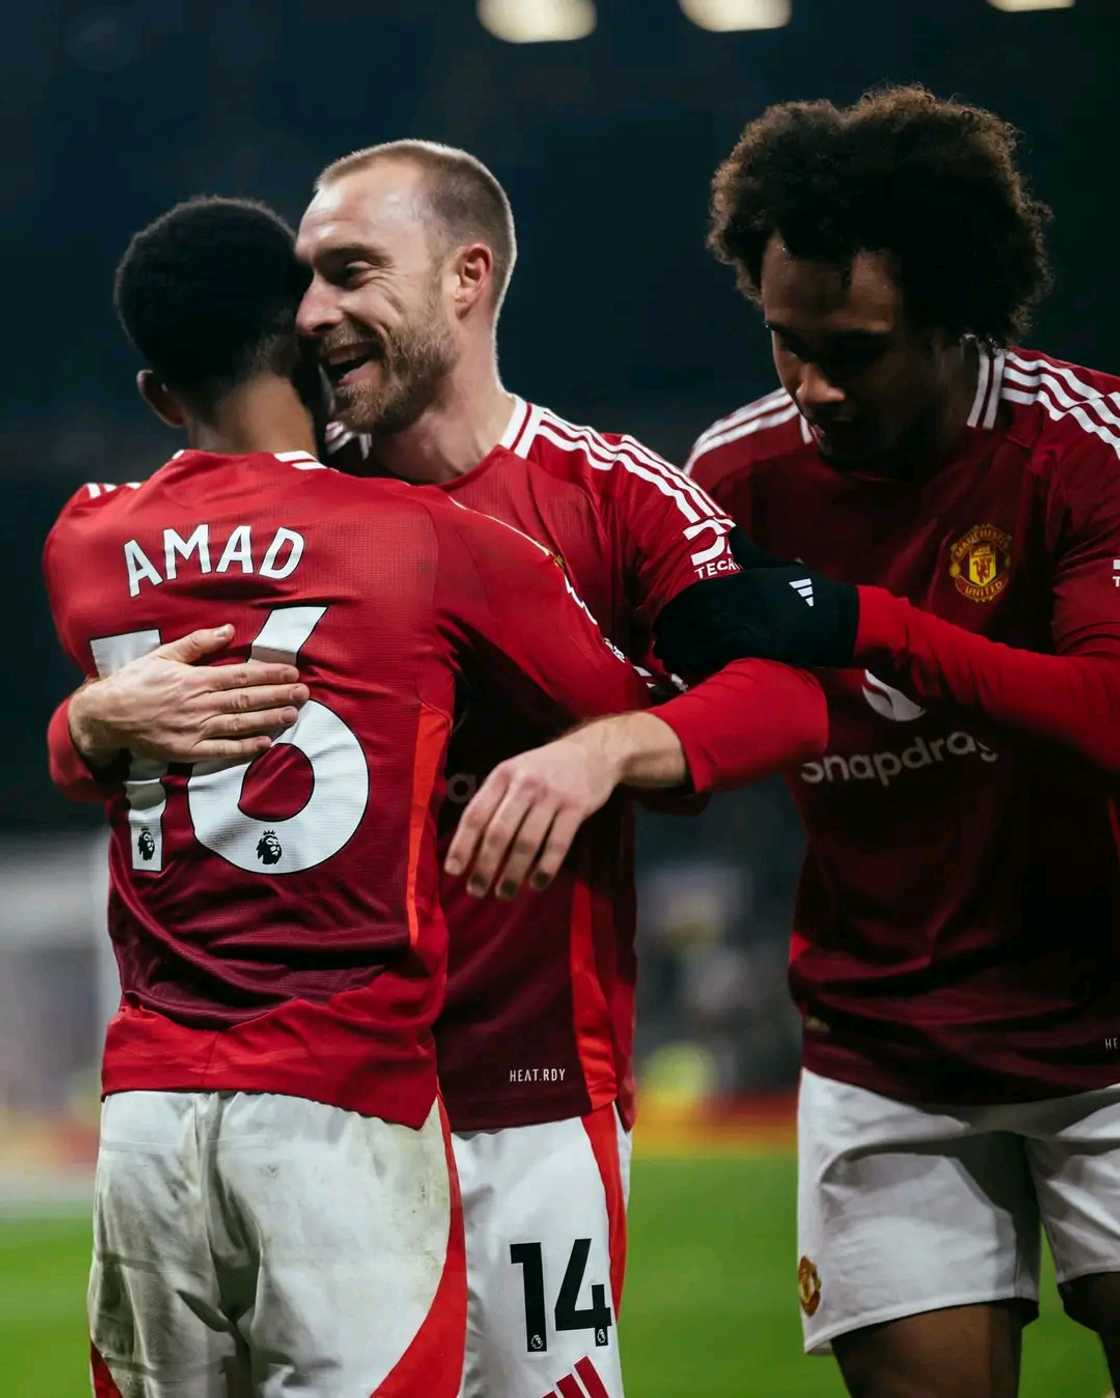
x=268, y=1245
x=904, y=1209
x=545, y=1213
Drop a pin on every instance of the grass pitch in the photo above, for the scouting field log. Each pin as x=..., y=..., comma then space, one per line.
x=710, y=1310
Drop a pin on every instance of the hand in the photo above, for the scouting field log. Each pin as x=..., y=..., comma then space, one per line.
x=166, y=706
x=527, y=811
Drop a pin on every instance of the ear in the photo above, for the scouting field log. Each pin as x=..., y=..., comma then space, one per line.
x=473, y=268
x=160, y=399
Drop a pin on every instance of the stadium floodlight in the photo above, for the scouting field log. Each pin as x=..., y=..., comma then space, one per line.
x=726, y=15
x=1031, y=4
x=537, y=21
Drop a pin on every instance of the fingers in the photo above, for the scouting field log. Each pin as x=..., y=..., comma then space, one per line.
x=263, y=722
x=198, y=644
x=473, y=823
x=258, y=699
x=250, y=675
x=221, y=749
x=558, y=842
x=493, y=849
x=523, y=850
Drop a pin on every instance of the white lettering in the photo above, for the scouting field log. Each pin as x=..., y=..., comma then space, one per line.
x=722, y=565
x=238, y=549
x=174, y=543
x=885, y=767
x=714, y=549
x=270, y=568
x=916, y=755
x=833, y=761
x=140, y=568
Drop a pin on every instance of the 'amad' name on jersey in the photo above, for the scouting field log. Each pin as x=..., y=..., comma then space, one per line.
x=278, y=558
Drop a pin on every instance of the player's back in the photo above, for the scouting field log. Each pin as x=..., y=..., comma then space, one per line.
x=277, y=926
x=942, y=853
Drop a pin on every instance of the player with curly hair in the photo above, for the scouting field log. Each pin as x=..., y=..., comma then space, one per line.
x=954, y=956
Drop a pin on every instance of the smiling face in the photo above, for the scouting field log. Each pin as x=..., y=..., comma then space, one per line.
x=378, y=303
x=869, y=383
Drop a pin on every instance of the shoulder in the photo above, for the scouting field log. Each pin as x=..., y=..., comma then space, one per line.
x=483, y=536
x=1068, y=415
x=576, y=450
x=620, y=472
x=96, y=498
x=766, y=428
x=92, y=505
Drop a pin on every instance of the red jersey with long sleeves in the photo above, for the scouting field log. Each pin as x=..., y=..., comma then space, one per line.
x=956, y=928
x=541, y=1032
x=277, y=924
x=538, y=1022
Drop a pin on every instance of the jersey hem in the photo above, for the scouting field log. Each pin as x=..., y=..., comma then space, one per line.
x=842, y=1063
x=489, y=1116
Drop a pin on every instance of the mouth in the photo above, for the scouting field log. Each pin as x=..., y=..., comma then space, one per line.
x=341, y=363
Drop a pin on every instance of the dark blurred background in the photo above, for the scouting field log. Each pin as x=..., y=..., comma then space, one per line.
x=617, y=316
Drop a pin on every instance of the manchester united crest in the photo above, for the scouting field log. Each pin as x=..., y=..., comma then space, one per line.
x=980, y=563
x=808, y=1285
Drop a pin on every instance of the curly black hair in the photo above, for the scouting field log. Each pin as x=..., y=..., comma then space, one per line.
x=932, y=182
x=208, y=294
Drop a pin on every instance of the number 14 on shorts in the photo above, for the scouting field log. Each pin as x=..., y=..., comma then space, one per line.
x=567, y=1313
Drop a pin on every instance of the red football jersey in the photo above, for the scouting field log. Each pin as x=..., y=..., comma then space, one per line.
x=956, y=928
x=277, y=924
x=539, y=1019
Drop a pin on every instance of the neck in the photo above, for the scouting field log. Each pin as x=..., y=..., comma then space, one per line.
x=265, y=414
x=455, y=432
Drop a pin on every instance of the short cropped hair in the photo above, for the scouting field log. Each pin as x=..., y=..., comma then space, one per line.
x=465, y=196
x=208, y=294
x=933, y=183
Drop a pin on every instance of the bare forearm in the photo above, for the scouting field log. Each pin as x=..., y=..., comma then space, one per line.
x=90, y=725
x=637, y=749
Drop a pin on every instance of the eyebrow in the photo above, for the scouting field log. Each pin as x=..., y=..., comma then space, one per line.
x=354, y=252
x=778, y=329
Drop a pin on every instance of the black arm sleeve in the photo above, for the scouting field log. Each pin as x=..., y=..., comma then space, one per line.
x=773, y=610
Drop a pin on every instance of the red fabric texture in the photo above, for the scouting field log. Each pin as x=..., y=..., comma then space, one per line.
x=518, y=1035
x=958, y=916
x=752, y=719
x=68, y=769
x=1069, y=699
x=309, y=960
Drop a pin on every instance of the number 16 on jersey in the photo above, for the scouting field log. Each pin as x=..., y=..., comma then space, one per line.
x=340, y=777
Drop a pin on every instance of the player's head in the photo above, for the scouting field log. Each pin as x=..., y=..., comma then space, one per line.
x=208, y=294
x=411, y=246
x=876, y=238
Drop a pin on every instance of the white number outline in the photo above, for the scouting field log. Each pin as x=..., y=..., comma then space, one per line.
x=310, y=836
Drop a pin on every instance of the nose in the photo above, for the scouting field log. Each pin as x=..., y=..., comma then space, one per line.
x=318, y=311
x=816, y=391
